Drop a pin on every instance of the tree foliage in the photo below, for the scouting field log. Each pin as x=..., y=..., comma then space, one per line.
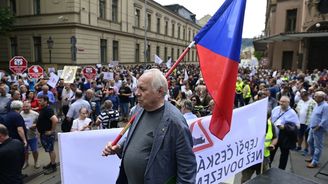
x=6, y=20
x=258, y=55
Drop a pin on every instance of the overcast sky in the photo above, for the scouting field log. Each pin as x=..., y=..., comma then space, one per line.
x=254, y=16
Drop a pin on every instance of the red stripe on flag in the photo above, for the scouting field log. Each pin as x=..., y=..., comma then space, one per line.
x=220, y=74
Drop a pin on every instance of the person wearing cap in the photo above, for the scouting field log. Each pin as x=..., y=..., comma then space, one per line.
x=304, y=110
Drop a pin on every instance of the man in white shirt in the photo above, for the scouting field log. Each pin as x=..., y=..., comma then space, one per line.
x=30, y=117
x=304, y=110
x=286, y=121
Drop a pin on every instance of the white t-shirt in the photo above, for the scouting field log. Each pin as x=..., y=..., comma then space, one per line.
x=30, y=119
x=302, y=108
x=78, y=124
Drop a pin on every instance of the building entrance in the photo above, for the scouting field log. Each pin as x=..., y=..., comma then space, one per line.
x=318, y=53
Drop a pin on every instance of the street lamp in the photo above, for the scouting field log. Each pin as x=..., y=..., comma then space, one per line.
x=50, y=43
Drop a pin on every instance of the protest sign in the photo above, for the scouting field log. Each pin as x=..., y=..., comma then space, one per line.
x=53, y=80
x=69, y=73
x=217, y=160
x=108, y=75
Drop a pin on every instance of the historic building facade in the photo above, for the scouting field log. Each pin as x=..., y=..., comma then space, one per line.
x=296, y=34
x=71, y=32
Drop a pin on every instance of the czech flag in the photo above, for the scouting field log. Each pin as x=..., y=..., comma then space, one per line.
x=218, y=46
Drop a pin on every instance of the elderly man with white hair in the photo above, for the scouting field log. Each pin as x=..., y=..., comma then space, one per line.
x=15, y=122
x=158, y=140
x=286, y=121
x=318, y=128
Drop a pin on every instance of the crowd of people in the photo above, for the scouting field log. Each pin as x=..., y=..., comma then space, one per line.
x=30, y=110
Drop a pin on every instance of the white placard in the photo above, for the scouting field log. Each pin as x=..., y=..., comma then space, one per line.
x=69, y=74
x=108, y=75
x=217, y=160
x=53, y=80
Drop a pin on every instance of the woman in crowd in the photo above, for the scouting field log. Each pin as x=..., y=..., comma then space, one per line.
x=31, y=97
x=82, y=123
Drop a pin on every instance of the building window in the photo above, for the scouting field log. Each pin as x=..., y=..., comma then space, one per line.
x=13, y=6
x=158, y=25
x=158, y=51
x=179, y=32
x=114, y=11
x=13, y=47
x=189, y=34
x=115, y=50
x=291, y=20
x=173, y=29
x=148, y=22
x=102, y=9
x=178, y=53
x=166, y=27
x=37, y=7
x=172, y=53
x=137, y=18
x=137, y=53
x=148, y=53
x=103, y=51
x=165, y=53
x=192, y=56
x=37, y=49
x=184, y=34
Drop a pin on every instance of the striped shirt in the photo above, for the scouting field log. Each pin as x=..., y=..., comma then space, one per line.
x=108, y=116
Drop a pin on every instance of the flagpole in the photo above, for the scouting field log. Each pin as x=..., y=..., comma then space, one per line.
x=166, y=76
x=180, y=59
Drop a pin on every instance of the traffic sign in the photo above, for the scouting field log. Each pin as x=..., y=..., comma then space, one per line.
x=35, y=71
x=89, y=72
x=18, y=64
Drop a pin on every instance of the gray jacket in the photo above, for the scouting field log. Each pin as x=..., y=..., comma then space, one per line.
x=171, y=158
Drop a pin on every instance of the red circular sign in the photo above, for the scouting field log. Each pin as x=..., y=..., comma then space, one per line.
x=89, y=72
x=18, y=64
x=35, y=71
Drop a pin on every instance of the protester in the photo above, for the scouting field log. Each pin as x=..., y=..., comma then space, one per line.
x=46, y=126
x=73, y=112
x=304, y=110
x=4, y=100
x=318, y=128
x=108, y=118
x=15, y=122
x=124, y=94
x=286, y=122
x=186, y=110
x=33, y=101
x=30, y=117
x=11, y=158
x=151, y=139
x=83, y=122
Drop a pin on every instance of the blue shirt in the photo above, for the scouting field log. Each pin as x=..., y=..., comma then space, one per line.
x=50, y=95
x=319, y=116
x=278, y=117
x=189, y=116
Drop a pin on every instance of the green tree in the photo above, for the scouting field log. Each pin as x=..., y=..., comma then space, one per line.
x=6, y=20
x=258, y=55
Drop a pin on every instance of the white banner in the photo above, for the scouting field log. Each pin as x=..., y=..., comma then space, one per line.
x=53, y=80
x=217, y=160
